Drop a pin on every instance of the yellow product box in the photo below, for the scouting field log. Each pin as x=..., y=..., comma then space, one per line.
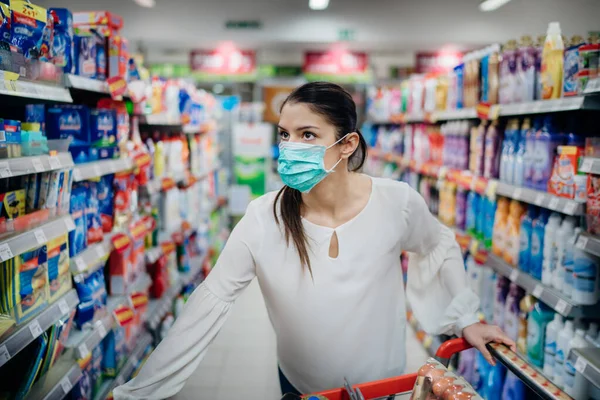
x=59, y=276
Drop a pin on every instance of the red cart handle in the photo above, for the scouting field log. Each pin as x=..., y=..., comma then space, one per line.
x=451, y=347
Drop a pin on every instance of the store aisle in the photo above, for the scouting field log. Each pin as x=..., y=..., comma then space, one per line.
x=242, y=361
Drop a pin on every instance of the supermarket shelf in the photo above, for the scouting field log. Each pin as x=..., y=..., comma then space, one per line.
x=160, y=120
x=84, y=341
x=95, y=169
x=196, y=266
x=464, y=113
x=593, y=86
x=58, y=382
x=87, y=84
x=17, y=244
x=590, y=165
x=92, y=256
x=143, y=341
x=158, y=308
x=34, y=90
x=35, y=164
x=550, y=106
x=550, y=296
x=587, y=363
x=589, y=243
x=20, y=336
x=541, y=199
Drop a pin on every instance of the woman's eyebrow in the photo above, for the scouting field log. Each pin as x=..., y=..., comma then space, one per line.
x=299, y=128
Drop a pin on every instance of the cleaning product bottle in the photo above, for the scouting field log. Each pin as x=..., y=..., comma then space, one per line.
x=546, y=143
x=539, y=50
x=514, y=388
x=525, y=307
x=492, y=151
x=563, y=236
x=480, y=148
x=507, y=72
x=552, y=331
x=552, y=63
x=513, y=237
x=569, y=263
x=480, y=219
x=537, y=244
x=530, y=148
x=525, y=240
x=495, y=382
x=550, y=247
x=539, y=318
x=564, y=337
x=576, y=388
x=472, y=211
x=509, y=151
x=489, y=210
x=591, y=333
x=525, y=76
x=499, y=304
x=519, y=167
x=500, y=226
x=511, y=311
x=585, y=278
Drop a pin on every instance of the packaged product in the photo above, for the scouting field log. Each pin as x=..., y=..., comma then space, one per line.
x=508, y=74
x=63, y=39
x=24, y=282
x=105, y=202
x=120, y=270
x=18, y=379
x=103, y=128
x=10, y=146
x=91, y=289
x=46, y=49
x=589, y=56
x=96, y=370
x=122, y=199
x=562, y=180
x=552, y=63
x=101, y=56
x=68, y=121
x=122, y=117
x=115, y=351
x=525, y=75
x=85, y=55
x=78, y=236
x=33, y=193
x=459, y=73
x=92, y=214
x=27, y=27
x=94, y=19
x=572, y=67
x=5, y=22
x=83, y=389
x=539, y=49
x=12, y=204
x=56, y=254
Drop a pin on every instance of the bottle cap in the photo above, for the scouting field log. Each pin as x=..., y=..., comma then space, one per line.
x=553, y=28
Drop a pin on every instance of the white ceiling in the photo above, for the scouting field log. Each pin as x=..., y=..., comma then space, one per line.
x=382, y=26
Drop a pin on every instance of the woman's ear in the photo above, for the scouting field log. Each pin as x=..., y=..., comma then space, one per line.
x=349, y=144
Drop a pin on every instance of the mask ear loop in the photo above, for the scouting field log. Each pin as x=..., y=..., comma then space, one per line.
x=342, y=138
x=340, y=160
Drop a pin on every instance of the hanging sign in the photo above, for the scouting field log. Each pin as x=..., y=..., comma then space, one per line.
x=337, y=64
x=223, y=63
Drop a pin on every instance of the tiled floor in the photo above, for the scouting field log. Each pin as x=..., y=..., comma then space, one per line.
x=242, y=363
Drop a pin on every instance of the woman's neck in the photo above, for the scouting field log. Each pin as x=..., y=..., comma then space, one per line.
x=327, y=196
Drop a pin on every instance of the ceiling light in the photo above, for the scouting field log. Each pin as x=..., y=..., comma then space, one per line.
x=491, y=5
x=318, y=4
x=145, y=3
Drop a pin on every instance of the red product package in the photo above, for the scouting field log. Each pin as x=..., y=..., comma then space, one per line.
x=593, y=204
x=119, y=265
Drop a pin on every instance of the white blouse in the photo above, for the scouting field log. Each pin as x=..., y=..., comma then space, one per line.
x=349, y=319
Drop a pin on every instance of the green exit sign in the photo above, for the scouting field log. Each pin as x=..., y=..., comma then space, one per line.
x=346, y=35
x=243, y=24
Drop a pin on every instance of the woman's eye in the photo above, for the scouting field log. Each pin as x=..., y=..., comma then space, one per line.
x=284, y=135
x=308, y=135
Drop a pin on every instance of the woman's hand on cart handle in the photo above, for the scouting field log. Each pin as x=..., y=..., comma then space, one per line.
x=478, y=335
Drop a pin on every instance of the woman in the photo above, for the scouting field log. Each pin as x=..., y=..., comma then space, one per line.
x=326, y=251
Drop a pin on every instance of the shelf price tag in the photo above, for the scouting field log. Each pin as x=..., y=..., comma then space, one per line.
x=63, y=307
x=35, y=329
x=561, y=306
x=37, y=165
x=70, y=225
x=582, y=242
x=80, y=264
x=97, y=170
x=5, y=171
x=539, y=199
x=517, y=193
x=101, y=330
x=580, y=365
x=66, y=385
x=77, y=175
x=83, y=350
x=4, y=355
x=40, y=236
x=537, y=291
x=54, y=162
x=586, y=165
x=5, y=252
x=570, y=208
x=514, y=275
x=554, y=203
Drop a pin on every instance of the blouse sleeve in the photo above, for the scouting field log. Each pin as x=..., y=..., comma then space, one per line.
x=437, y=288
x=179, y=354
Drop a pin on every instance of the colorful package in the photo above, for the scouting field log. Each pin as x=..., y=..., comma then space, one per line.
x=115, y=351
x=105, y=202
x=33, y=193
x=101, y=66
x=103, y=128
x=83, y=389
x=572, y=67
x=562, y=180
x=96, y=370
x=91, y=289
x=56, y=252
x=46, y=49
x=593, y=204
x=120, y=270
x=12, y=204
x=27, y=27
x=122, y=200
x=94, y=222
x=5, y=22
x=78, y=236
x=68, y=121
x=83, y=153
x=63, y=39
x=85, y=55
x=109, y=153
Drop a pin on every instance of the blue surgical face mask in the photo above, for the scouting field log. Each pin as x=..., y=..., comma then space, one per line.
x=301, y=165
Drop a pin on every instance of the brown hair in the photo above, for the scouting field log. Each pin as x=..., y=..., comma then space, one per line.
x=337, y=106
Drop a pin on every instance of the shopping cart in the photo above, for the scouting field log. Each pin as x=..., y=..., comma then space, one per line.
x=400, y=387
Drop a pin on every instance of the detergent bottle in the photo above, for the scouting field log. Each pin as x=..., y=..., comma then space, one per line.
x=525, y=241
x=513, y=237
x=525, y=307
x=576, y=388
x=552, y=331
x=550, y=246
x=552, y=63
x=569, y=263
x=536, y=259
x=539, y=318
x=563, y=236
x=500, y=226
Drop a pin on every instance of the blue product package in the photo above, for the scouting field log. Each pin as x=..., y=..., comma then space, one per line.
x=63, y=39
x=108, y=153
x=114, y=351
x=83, y=389
x=78, y=236
x=459, y=70
x=103, y=127
x=96, y=370
x=105, y=202
x=94, y=222
x=101, y=67
x=85, y=55
x=33, y=193
x=36, y=113
x=5, y=21
x=47, y=44
x=83, y=153
x=64, y=122
x=27, y=27
x=91, y=289
x=485, y=69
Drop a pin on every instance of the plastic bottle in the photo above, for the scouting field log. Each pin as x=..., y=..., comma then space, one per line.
x=539, y=318
x=489, y=210
x=472, y=211
x=480, y=219
x=546, y=142
x=500, y=226
x=564, y=337
x=576, y=388
x=511, y=311
x=537, y=244
x=591, y=333
x=509, y=151
x=480, y=148
x=499, y=304
x=564, y=235
x=513, y=237
x=539, y=49
x=552, y=63
x=495, y=382
x=585, y=278
x=525, y=76
x=519, y=163
x=550, y=248
x=514, y=388
x=508, y=69
x=568, y=264
x=525, y=238
x=552, y=331
x=530, y=147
